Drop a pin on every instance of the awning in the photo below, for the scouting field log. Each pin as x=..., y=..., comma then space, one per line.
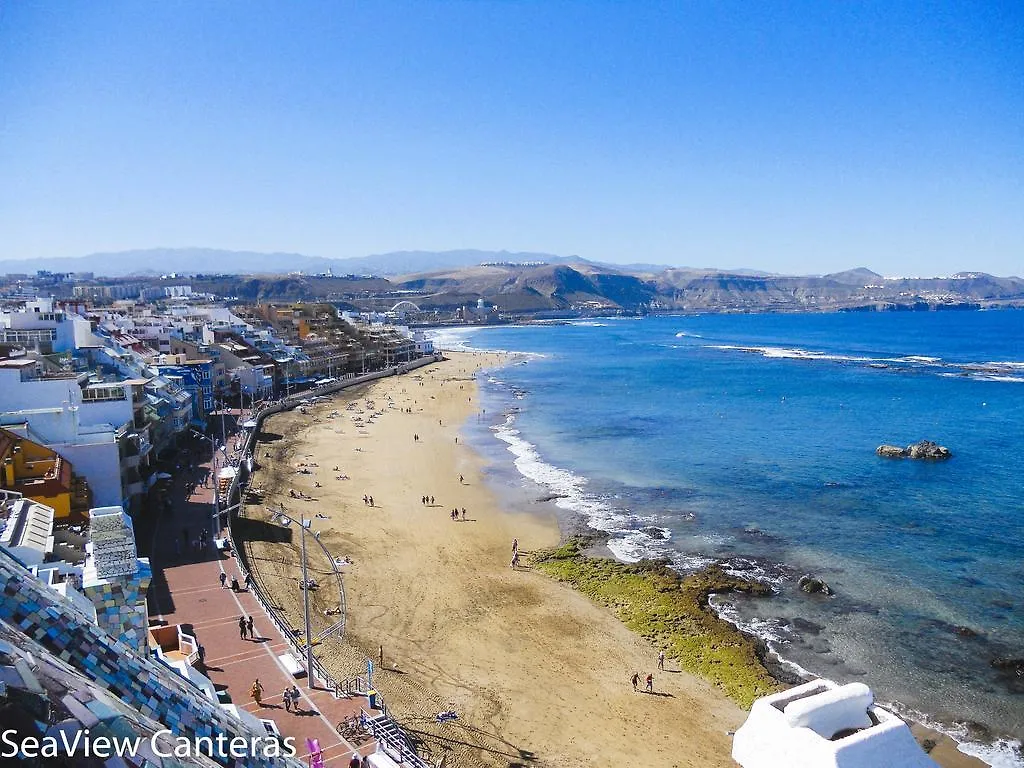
x=250, y=424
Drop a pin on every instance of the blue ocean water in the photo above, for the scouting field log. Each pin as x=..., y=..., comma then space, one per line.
x=750, y=439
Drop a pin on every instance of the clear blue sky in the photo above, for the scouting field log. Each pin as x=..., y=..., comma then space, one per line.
x=789, y=136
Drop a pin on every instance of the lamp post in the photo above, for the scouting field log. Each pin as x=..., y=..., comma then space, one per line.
x=215, y=527
x=305, y=602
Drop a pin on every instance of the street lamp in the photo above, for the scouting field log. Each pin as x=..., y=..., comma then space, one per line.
x=215, y=528
x=303, y=524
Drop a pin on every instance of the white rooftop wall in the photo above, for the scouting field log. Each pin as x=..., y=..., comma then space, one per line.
x=823, y=725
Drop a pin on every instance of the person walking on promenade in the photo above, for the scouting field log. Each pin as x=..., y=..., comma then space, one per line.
x=355, y=762
x=295, y=696
x=234, y=584
x=241, y=627
x=248, y=626
x=650, y=683
x=636, y=681
x=661, y=660
x=257, y=692
x=287, y=696
x=223, y=579
x=248, y=581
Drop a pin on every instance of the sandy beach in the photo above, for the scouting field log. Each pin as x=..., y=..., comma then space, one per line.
x=537, y=673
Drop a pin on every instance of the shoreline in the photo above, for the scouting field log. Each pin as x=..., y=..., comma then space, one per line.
x=940, y=738
x=361, y=639
x=536, y=672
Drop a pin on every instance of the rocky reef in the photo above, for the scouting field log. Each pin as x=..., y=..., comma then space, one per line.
x=814, y=586
x=924, y=449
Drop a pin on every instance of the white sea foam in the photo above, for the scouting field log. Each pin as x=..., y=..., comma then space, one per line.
x=589, y=324
x=687, y=335
x=457, y=340
x=1002, y=753
x=627, y=543
x=793, y=353
x=1006, y=372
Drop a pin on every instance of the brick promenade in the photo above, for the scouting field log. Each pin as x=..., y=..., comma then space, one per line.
x=186, y=590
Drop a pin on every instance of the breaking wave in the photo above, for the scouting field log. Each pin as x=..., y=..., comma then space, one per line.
x=1003, y=371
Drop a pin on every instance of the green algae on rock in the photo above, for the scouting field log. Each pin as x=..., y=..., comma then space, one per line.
x=672, y=612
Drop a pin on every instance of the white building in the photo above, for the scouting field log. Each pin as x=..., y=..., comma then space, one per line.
x=824, y=725
x=40, y=325
x=54, y=411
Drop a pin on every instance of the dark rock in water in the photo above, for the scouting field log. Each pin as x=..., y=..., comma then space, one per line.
x=965, y=631
x=656, y=533
x=551, y=497
x=890, y=451
x=806, y=627
x=923, y=449
x=1015, y=666
x=814, y=586
x=926, y=449
x=978, y=731
x=1005, y=604
x=928, y=745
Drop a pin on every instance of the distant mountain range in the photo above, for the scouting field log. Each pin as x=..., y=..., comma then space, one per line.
x=156, y=261
x=519, y=282
x=152, y=262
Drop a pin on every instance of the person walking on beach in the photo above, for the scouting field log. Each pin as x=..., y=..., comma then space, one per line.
x=661, y=660
x=650, y=683
x=366, y=499
x=515, y=547
x=371, y=501
x=431, y=501
x=636, y=681
x=257, y=692
x=463, y=514
x=241, y=627
x=223, y=579
x=248, y=626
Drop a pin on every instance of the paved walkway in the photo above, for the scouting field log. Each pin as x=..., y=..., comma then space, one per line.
x=186, y=590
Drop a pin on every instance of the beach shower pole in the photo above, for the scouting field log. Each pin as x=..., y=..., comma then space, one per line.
x=305, y=601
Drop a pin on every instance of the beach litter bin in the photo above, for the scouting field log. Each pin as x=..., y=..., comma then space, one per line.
x=371, y=698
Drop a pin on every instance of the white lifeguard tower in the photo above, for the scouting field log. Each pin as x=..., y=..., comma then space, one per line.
x=825, y=725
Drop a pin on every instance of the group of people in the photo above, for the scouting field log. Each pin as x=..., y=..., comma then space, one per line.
x=291, y=695
x=234, y=582
x=245, y=628
x=455, y=513
x=368, y=500
x=427, y=500
x=649, y=680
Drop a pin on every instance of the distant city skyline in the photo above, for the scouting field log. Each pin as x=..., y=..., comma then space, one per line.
x=794, y=138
